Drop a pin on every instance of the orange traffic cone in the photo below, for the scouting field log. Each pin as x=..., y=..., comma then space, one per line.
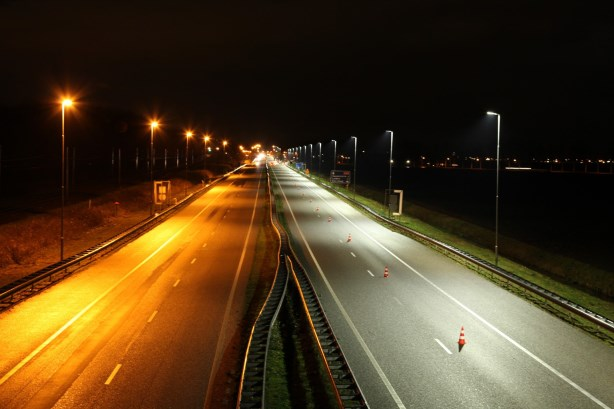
x=461, y=339
x=386, y=272
x=349, y=237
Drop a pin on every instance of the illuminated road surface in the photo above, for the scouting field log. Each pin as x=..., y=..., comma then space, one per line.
x=146, y=326
x=401, y=333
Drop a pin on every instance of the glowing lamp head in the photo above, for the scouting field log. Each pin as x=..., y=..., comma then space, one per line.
x=188, y=134
x=492, y=113
x=66, y=102
x=154, y=124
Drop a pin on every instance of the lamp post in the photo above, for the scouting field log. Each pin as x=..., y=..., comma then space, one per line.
x=188, y=135
x=225, y=143
x=390, y=174
x=65, y=103
x=334, y=155
x=320, y=159
x=205, y=157
x=310, y=159
x=355, y=158
x=154, y=125
x=497, y=189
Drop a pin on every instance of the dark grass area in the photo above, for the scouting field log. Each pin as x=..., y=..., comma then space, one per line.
x=296, y=376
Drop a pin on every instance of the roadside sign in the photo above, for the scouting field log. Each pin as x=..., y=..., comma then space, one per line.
x=161, y=191
x=394, y=201
x=340, y=177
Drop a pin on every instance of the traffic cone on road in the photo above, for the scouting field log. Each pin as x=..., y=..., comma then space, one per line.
x=386, y=272
x=349, y=237
x=461, y=339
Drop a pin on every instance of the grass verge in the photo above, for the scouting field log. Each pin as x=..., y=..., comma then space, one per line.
x=296, y=376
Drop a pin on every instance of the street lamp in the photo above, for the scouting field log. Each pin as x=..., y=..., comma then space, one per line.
x=205, y=157
x=355, y=158
x=390, y=174
x=65, y=103
x=334, y=155
x=310, y=159
x=320, y=159
x=497, y=189
x=188, y=135
x=225, y=143
x=154, y=124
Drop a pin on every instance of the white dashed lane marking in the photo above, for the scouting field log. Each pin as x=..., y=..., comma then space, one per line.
x=110, y=378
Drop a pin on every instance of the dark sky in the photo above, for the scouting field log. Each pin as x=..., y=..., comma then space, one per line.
x=290, y=73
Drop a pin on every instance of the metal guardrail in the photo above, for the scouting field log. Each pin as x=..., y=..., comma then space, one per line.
x=33, y=283
x=252, y=386
x=253, y=376
x=577, y=309
x=347, y=391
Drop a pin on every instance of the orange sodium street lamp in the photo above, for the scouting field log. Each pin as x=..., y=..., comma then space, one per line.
x=154, y=124
x=65, y=103
x=188, y=135
x=206, y=138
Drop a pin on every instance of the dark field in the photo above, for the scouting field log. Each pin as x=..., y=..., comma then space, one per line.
x=566, y=213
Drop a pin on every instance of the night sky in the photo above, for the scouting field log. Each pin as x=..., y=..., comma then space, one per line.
x=291, y=73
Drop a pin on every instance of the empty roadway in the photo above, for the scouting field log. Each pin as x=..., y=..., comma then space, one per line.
x=146, y=326
x=400, y=334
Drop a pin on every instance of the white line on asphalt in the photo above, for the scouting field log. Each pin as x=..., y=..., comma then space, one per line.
x=369, y=271
x=443, y=346
x=151, y=317
x=56, y=334
x=221, y=341
x=347, y=318
x=352, y=253
x=193, y=260
x=204, y=245
x=470, y=311
x=176, y=283
x=110, y=378
x=397, y=300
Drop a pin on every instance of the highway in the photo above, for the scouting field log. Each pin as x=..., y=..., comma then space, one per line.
x=147, y=326
x=401, y=334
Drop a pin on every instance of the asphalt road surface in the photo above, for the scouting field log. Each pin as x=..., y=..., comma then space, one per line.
x=145, y=327
x=401, y=334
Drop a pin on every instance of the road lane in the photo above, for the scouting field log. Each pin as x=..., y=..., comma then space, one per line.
x=516, y=355
x=145, y=326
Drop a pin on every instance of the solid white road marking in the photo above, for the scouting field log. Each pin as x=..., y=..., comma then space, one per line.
x=346, y=316
x=110, y=378
x=221, y=337
x=397, y=300
x=176, y=283
x=368, y=271
x=204, y=245
x=49, y=340
x=443, y=346
x=193, y=260
x=151, y=317
x=470, y=311
x=352, y=253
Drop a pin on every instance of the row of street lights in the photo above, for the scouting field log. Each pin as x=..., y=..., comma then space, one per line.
x=65, y=103
x=390, y=161
x=188, y=135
